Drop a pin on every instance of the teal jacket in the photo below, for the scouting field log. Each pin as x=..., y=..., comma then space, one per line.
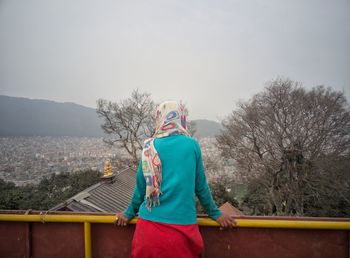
x=183, y=177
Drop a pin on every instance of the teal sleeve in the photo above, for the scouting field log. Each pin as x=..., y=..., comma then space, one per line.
x=138, y=196
x=202, y=189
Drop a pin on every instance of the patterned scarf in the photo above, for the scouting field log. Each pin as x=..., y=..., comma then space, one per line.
x=170, y=120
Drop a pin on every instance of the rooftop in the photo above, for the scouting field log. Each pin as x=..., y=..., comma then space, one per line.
x=110, y=195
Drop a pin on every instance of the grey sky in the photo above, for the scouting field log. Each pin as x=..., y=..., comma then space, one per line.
x=207, y=53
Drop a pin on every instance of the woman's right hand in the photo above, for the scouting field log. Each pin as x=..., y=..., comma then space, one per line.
x=121, y=219
x=226, y=220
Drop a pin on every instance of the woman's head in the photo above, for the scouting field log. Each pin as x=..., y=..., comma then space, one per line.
x=171, y=115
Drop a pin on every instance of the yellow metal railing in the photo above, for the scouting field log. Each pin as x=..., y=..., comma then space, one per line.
x=241, y=222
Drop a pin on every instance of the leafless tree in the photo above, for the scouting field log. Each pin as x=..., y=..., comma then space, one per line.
x=128, y=122
x=279, y=138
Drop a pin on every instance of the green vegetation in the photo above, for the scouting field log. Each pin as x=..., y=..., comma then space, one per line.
x=48, y=193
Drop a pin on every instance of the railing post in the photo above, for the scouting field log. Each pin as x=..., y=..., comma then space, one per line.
x=87, y=239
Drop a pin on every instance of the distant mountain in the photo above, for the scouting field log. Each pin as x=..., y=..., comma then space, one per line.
x=33, y=117
x=207, y=128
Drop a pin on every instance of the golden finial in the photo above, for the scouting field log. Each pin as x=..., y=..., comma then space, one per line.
x=107, y=171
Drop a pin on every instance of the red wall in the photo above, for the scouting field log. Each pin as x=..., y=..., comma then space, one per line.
x=38, y=240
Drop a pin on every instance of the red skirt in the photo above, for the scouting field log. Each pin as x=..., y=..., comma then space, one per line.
x=162, y=240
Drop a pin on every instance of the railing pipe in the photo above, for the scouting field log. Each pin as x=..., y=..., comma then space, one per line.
x=241, y=222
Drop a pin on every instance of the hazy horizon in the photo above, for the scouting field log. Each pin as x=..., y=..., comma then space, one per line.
x=209, y=54
x=69, y=102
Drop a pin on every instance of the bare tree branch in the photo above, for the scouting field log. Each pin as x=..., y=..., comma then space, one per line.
x=128, y=122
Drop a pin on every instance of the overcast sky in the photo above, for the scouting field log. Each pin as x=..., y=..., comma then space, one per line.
x=209, y=54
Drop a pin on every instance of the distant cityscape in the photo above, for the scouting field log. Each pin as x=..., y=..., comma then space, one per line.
x=27, y=160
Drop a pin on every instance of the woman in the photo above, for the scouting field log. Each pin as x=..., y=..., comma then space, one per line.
x=169, y=176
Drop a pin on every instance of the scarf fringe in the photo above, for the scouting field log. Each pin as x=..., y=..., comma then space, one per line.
x=152, y=201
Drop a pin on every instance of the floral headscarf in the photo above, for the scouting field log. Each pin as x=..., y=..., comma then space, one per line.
x=170, y=120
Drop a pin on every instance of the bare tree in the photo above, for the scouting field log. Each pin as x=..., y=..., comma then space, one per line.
x=279, y=138
x=128, y=122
